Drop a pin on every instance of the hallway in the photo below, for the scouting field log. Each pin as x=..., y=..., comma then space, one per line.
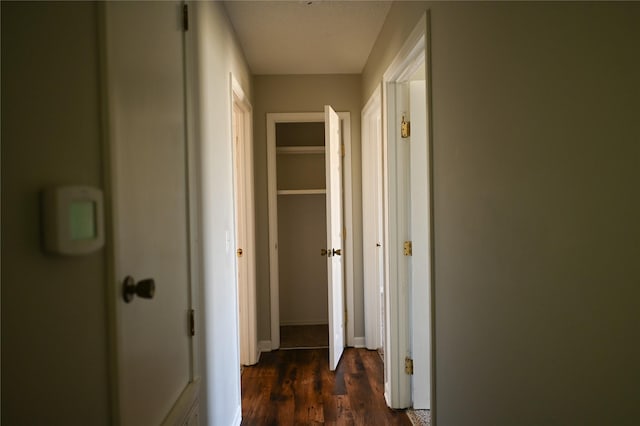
x=533, y=189
x=296, y=387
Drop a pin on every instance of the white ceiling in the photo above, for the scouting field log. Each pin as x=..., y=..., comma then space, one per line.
x=307, y=37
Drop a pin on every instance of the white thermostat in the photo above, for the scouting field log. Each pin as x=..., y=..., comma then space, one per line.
x=73, y=220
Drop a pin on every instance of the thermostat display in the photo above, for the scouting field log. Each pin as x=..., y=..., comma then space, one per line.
x=73, y=220
x=82, y=220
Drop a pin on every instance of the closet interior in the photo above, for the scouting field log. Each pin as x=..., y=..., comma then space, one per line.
x=302, y=234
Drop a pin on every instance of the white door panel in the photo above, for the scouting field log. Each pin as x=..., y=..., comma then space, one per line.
x=333, y=157
x=245, y=229
x=146, y=126
x=372, y=231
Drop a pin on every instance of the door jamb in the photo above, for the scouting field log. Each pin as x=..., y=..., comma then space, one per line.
x=274, y=287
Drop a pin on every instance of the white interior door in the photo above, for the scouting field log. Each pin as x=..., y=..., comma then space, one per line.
x=146, y=127
x=240, y=208
x=245, y=220
x=333, y=157
x=372, y=224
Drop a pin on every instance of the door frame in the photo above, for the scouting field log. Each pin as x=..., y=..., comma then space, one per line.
x=244, y=202
x=414, y=52
x=372, y=223
x=274, y=286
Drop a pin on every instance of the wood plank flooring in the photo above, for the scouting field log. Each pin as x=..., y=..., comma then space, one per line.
x=304, y=336
x=295, y=387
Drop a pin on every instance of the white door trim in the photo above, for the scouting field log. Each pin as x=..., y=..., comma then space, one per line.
x=245, y=216
x=398, y=342
x=397, y=339
x=420, y=231
x=194, y=195
x=373, y=264
x=274, y=287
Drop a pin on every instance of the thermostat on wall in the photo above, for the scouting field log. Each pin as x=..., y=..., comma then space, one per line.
x=73, y=220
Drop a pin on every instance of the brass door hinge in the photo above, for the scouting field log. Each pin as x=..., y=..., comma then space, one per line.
x=408, y=366
x=192, y=322
x=408, y=249
x=405, y=128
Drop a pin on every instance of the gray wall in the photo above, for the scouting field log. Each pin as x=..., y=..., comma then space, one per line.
x=216, y=55
x=536, y=149
x=302, y=229
x=54, y=343
x=308, y=93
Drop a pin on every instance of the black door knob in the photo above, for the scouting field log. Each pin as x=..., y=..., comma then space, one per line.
x=144, y=288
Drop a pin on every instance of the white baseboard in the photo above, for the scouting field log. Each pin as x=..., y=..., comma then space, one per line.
x=264, y=346
x=358, y=342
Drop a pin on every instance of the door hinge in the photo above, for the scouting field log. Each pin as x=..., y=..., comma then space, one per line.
x=192, y=322
x=408, y=249
x=342, y=150
x=408, y=366
x=405, y=128
x=185, y=17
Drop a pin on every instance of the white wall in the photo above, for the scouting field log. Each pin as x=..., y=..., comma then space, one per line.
x=536, y=170
x=215, y=55
x=302, y=229
x=303, y=93
x=54, y=322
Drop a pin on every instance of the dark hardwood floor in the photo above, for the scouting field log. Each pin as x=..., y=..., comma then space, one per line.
x=304, y=336
x=295, y=387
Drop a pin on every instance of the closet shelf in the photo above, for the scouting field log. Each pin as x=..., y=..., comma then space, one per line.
x=301, y=191
x=300, y=149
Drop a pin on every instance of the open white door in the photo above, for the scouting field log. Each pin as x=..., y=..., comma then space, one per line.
x=245, y=222
x=148, y=176
x=333, y=158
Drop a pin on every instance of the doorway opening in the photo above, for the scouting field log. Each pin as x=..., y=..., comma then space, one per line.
x=304, y=204
x=302, y=223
